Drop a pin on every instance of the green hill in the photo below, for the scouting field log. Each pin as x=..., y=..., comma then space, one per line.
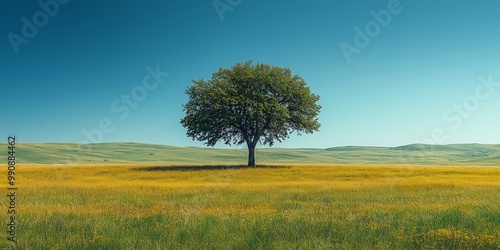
x=416, y=154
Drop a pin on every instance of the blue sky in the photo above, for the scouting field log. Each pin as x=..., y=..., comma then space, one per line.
x=416, y=77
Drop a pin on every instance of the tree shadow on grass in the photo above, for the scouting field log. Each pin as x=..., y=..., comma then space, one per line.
x=206, y=167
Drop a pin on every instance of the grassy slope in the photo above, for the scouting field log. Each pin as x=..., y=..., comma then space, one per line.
x=59, y=153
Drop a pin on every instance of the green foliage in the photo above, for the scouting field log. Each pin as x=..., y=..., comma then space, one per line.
x=250, y=103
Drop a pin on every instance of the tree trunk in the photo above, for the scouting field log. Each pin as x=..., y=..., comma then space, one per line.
x=251, y=156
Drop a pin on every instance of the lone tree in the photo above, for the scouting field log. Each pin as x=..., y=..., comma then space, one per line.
x=250, y=104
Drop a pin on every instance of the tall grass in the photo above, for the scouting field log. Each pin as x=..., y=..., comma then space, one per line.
x=270, y=207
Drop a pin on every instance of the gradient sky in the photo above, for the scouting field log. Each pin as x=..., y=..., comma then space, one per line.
x=415, y=80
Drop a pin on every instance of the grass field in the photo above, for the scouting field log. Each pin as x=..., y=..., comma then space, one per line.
x=122, y=153
x=270, y=207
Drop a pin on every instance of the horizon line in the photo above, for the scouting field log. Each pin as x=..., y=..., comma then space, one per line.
x=235, y=146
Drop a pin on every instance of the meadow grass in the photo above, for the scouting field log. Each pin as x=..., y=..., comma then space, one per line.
x=125, y=153
x=152, y=206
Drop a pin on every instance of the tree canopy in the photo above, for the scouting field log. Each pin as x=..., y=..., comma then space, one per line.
x=250, y=104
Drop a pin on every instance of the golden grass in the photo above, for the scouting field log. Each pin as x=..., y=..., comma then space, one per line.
x=349, y=195
x=68, y=182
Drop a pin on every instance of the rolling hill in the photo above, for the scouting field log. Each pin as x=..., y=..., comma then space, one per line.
x=414, y=154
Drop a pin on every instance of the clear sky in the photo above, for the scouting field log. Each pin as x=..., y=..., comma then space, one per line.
x=388, y=72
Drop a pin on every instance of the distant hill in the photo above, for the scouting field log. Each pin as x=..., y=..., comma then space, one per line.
x=415, y=154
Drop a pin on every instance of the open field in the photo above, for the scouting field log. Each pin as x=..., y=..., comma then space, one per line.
x=152, y=206
x=415, y=154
